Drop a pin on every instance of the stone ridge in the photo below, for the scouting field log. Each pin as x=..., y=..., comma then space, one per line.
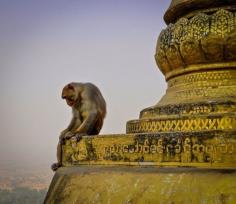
x=189, y=109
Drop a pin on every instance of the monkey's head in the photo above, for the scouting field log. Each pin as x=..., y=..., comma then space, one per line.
x=69, y=94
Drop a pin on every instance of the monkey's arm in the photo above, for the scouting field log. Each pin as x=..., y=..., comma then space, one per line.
x=74, y=124
x=88, y=112
x=89, y=120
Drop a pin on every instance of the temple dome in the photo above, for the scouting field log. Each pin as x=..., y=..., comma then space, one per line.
x=179, y=8
x=206, y=40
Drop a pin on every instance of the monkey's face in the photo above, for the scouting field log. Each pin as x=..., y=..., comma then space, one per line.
x=69, y=95
x=70, y=100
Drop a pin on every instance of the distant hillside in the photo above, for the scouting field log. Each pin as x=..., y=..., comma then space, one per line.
x=25, y=176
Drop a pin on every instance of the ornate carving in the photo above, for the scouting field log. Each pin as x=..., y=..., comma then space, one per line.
x=180, y=32
x=202, y=39
x=187, y=149
x=183, y=125
x=216, y=78
x=188, y=110
x=198, y=26
x=213, y=48
x=222, y=23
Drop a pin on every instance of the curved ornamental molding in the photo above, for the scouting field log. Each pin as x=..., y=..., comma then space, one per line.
x=199, y=43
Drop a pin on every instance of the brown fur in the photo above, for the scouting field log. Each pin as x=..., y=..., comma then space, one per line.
x=88, y=112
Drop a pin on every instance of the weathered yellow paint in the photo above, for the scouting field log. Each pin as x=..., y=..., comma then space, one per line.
x=193, y=125
x=206, y=150
x=100, y=185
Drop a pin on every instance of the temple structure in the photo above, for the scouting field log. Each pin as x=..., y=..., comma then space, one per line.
x=183, y=149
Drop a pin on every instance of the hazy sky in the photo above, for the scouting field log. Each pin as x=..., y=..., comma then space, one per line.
x=46, y=44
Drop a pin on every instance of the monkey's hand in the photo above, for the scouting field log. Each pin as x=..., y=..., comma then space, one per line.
x=78, y=136
x=69, y=135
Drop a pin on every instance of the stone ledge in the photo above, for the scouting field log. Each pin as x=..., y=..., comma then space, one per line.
x=195, y=149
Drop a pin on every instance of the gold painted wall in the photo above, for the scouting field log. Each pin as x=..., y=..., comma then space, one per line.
x=182, y=149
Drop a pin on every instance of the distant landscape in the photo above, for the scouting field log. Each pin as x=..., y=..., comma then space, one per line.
x=24, y=184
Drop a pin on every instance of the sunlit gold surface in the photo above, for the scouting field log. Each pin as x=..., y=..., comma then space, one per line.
x=198, y=101
x=193, y=125
x=204, y=39
x=197, y=55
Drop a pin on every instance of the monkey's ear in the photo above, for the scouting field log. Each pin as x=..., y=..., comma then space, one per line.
x=70, y=86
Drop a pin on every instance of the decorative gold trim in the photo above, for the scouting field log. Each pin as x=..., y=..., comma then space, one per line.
x=189, y=110
x=198, y=43
x=201, y=67
x=181, y=125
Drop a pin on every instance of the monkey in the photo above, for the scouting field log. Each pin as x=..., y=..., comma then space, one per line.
x=88, y=113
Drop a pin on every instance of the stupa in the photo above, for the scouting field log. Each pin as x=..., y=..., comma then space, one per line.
x=183, y=149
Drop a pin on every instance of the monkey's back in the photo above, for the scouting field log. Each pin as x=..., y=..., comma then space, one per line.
x=96, y=97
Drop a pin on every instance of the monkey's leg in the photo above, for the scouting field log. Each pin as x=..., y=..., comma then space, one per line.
x=55, y=166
